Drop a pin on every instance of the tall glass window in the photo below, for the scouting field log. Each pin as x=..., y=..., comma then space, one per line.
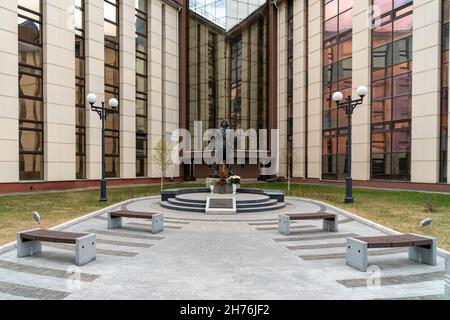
x=141, y=88
x=337, y=76
x=31, y=120
x=80, y=77
x=112, y=86
x=290, y=83
x=391, y=90
x=444, y=92
x=236, y=83
x=212, y=73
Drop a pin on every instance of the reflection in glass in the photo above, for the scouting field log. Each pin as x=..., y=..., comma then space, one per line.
x=391, y=92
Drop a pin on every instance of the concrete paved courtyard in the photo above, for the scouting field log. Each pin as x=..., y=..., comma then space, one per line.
x=219, y=257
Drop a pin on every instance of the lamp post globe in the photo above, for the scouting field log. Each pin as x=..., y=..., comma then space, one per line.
x=362, y=91
x=338, y=96
x=91, y=98
x=113, y=103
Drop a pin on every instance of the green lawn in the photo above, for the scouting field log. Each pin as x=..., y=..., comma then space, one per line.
x=398, y=210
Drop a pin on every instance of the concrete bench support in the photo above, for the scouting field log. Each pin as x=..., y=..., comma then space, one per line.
x=85, y=249
x=330, y=225
x=357, y=254
x=114, y=222
x=27, y=248
x=284, y=225
x=157, y=223
x=426, y=255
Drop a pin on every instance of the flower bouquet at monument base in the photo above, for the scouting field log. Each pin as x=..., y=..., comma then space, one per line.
x=235, y=180
x=223, y=185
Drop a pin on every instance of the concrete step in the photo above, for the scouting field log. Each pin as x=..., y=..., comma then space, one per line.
x=241, y=204
x=171, y=206
x=261, y=199
x=262, y=209
x=246, y=209
x=178, y=202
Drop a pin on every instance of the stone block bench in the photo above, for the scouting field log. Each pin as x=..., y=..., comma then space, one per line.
x=421, y=248
x=330, y=222
x=30, y=242
x=115, y=219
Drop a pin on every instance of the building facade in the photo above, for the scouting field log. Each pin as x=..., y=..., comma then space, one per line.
x=259, y=64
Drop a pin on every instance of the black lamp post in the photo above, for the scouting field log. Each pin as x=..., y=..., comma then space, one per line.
x=349, y=105
x=103, y=114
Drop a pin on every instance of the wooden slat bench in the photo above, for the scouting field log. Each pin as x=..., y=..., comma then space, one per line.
x=115, y=219
x=30, y=242
x=421, y=248
x=330, y=222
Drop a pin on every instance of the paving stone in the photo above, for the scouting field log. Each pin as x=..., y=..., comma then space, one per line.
x=117, y=253
x=292, y=228
x=31, y=292
x=148, y=225
x=124, y=243
x=344, y=221
x=124, y=234
x=343, y=255
x=428, y=297
x=318, y=246
x=45, y=271
x=324, y=237
x=395, y=280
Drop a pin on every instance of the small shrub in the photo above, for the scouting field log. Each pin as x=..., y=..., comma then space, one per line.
x=430, y=203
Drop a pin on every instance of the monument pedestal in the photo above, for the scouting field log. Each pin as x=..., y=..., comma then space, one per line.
x=225, y=205
x=223, y=189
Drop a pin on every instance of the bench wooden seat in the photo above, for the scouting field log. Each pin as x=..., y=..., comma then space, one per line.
x=52, y=236
x=330, y=222
x=421, y=248
x=29, y=243
x=115, y=219
x=393, y=241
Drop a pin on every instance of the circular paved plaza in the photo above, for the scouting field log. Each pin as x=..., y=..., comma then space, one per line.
x=200, y=256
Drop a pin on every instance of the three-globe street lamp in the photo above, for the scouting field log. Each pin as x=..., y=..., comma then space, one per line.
x=349, y=105
x=103, y=114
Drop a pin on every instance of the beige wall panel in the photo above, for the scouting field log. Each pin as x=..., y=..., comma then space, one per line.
x=127, y=89
x=155, y=115
x=59, y=90
x=9, y=91
x=361, y=76
x=95, y=83
x=425, y=134
x=315, y=89
x=171, y=70
x=299, y=94
x=282, y=88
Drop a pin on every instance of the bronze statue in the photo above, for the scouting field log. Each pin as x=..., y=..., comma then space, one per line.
x=223, y=131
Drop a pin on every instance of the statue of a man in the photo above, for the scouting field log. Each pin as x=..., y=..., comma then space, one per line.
x=225, y=147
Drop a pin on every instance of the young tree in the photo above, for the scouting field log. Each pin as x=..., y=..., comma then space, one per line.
x=162, y=158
